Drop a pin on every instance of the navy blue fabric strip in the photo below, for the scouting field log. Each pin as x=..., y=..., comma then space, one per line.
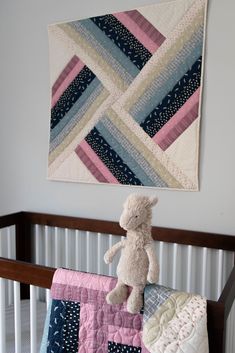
x=174, y=100
x=111, y=159
x=71, y=327
x=114, y=347
x=71, y=95
x=58, y=313
x=124, y=39
x=63, y=331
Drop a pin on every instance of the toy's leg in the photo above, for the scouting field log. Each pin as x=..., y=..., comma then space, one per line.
x=135, y=300
x=118, y=295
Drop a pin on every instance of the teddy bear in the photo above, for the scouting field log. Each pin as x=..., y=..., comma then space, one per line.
x=138, y=263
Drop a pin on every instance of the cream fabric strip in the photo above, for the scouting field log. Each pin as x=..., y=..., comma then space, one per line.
x=72, y=169
x=168, y=14
x=184, y=153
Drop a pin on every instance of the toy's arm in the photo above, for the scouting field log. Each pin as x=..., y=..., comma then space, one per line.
x=153, y=272
x=109, y=255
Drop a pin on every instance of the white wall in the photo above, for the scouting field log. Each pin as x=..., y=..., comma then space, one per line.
x=24, y=105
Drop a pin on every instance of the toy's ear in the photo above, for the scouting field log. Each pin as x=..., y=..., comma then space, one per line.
x=153, y=201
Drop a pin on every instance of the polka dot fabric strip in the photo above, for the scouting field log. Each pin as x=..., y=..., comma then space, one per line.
x=122, y=348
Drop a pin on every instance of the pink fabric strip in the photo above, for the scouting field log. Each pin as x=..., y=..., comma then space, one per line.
x=86, y=332
x=98, y=163
x=133, y=27
x=90, y=165
x=65, y=78
x=179, y=122
x=81, y=279
x=147, y=27
x=64, y=73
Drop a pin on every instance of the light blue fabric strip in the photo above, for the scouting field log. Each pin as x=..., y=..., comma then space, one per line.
x=43, y=348
x=154, y=296
x=163, y=84
x=106, y=48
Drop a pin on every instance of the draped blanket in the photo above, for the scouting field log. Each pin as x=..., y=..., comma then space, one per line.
x=125, y=96
x=174, y=322
x=80, y=320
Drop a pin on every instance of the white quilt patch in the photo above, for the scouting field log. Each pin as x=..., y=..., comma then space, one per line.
x=177, y=322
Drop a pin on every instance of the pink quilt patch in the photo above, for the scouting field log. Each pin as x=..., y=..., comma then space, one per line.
x=81, y=321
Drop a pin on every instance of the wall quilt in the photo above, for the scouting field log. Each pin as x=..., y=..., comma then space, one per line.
x=125, y=96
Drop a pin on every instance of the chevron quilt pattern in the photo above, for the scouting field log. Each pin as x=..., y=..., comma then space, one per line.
x=125, y=96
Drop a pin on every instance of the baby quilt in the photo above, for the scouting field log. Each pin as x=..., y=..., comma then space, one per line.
x=80, y=321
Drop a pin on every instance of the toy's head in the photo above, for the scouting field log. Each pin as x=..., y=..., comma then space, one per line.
x=137, y=210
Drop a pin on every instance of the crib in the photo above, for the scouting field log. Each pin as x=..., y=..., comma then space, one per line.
x=32, y=245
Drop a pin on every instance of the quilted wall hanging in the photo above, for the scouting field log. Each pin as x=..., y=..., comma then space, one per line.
x=125, y=96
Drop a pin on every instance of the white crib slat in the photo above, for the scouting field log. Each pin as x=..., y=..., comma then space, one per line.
x=9, y=245
x=56, y=247
x=48, y=297
x=174, y=266
x=17, y=317
x=47, y=246
x=77, y=250
x=204, y=266
x=189, y=269
x=37, y=250
x=220, y=272
x=10, y=292
x=80, y=245
x=110, y=245
x=88, y=240
x=161, y=250
x=67, y=261
x=2, y=316
x=33, y=320
x=10, y=256
x=99, y=254
x=37, y=245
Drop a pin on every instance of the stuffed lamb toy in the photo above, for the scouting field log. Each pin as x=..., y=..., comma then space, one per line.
x=138, y=263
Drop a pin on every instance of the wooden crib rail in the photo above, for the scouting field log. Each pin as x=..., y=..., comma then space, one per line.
x=170, y=235
x=23, y=221
x=10, y=220
x=27, y=273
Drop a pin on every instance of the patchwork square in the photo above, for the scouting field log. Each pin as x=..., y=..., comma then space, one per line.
x=63, y=327
x=81, y=321
x=125, y=96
